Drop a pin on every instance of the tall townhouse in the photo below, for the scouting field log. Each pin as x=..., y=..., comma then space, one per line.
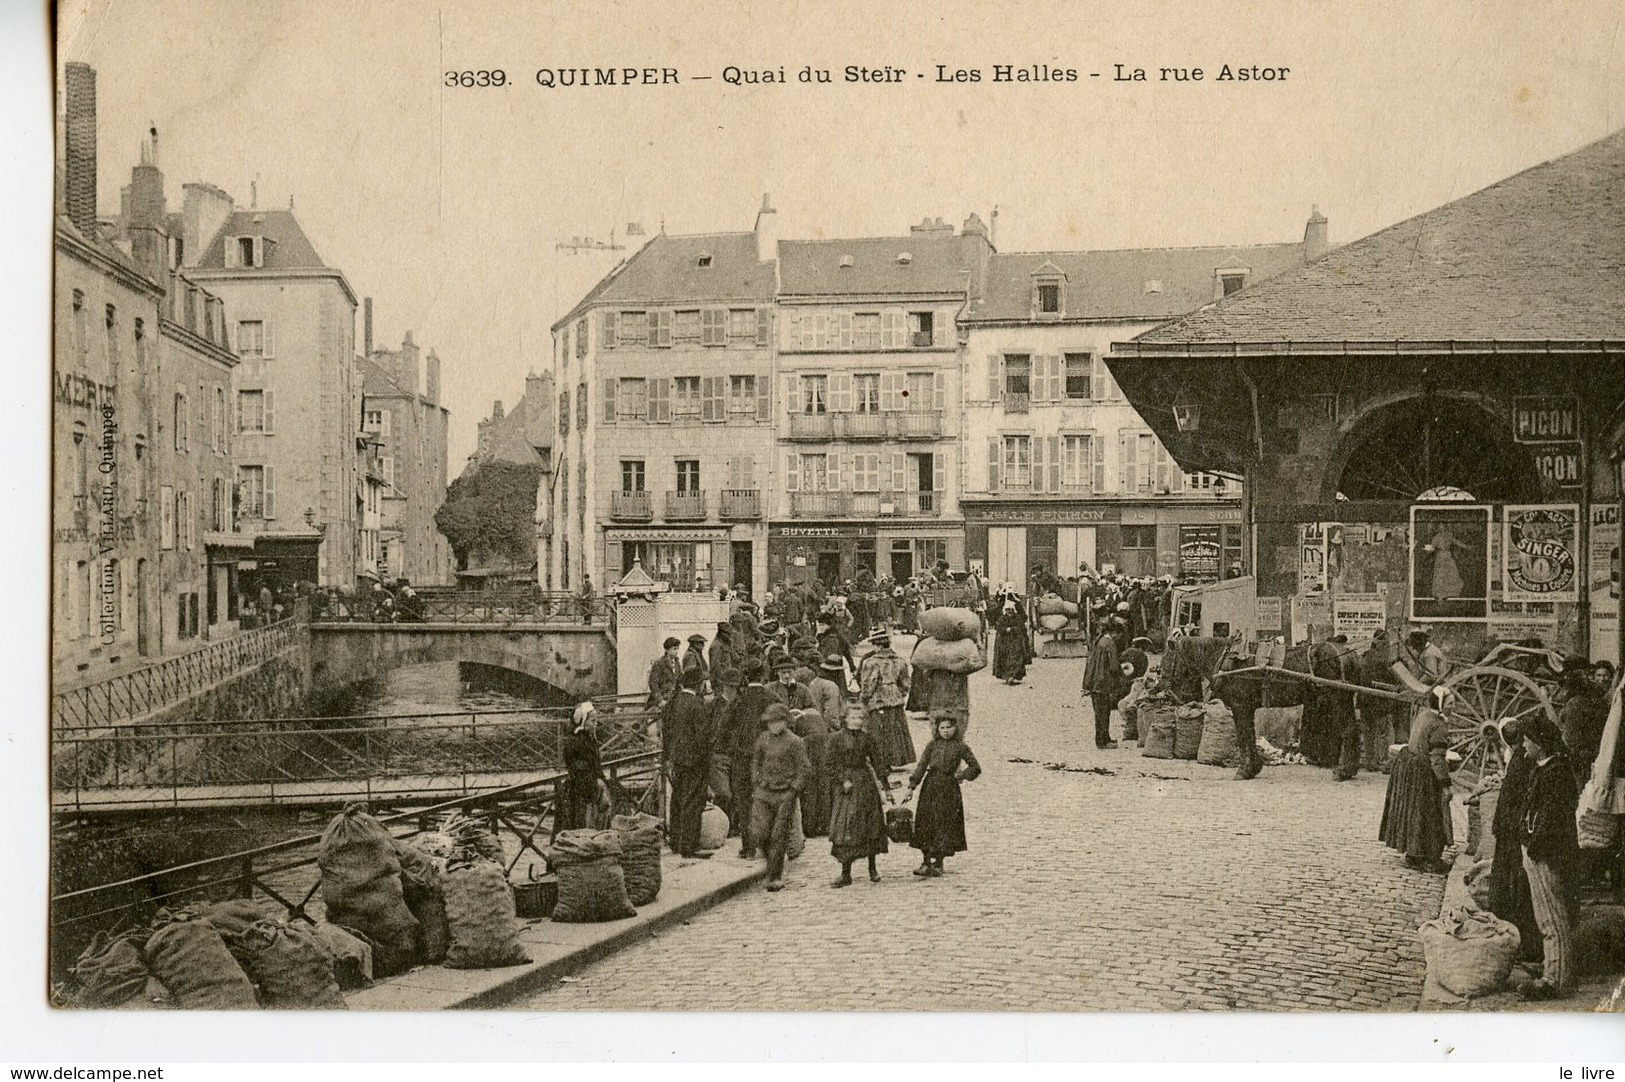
x=297, y=389
x=665, y=417
x=869, y=378
x=1062, y=471
x=401, y=411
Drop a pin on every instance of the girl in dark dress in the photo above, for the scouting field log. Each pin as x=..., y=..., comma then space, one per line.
x=939, y=824
x=1011, y=645
x=1414, y=814
x=857, y=825
x=578, y=793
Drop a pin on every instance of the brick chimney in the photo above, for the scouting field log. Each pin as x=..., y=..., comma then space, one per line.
x=79, y=149
x=407, y=365
x=366, y=328
x=204, y=209
x=1315, y=244
x=146, y=216
x=431, y=378
x=767, y=232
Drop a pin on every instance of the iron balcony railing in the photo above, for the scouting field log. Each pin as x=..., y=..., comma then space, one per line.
x=140, y=692
x=923, y=504
x=741, y=503
x=863, y=426
x=917, y=424
x=685, y=506
x=820, y=504
x=471, y=607
x=812, y=426
x=631, y=506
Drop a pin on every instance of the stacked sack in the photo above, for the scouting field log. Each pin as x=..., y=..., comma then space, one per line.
x=482, y=926
x=1189, y=720
x=361, y=887
x=1157, y=726
x=1055, y=612
x=713, y=827
x=640, y=854
x=1217, y=746
x=948, y=643
x=189, y=957
x=348, y=951
x=290, y=964
x=592, y=884
x=423, y=887
x=1469, y=952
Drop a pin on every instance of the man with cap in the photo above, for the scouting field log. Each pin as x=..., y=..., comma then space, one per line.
x=722, y=654
x=686, y=747
x=695, y=657
x=828, y=691
x=1422, y=659
x=831, y=639
x=1104, y=682
x=1551, y=855
x=787, y=689
x=663, y=676
x=780, y=770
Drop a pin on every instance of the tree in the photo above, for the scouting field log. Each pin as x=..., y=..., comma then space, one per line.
x=489, y=515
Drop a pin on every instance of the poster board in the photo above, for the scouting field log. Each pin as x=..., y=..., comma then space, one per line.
x=1358, y=615
x=1199, y=552
x=1540, y=552
x=1449, y=562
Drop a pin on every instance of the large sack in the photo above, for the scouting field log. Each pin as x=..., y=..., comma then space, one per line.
x=480, y=915
x=423, y=889
x=962, y=656
x=1054, y=621
x=291, y=964
x=1469, y=952
x=233, y=917
x=1477, y=882
x=1278, y=724
x=640, y=855
x=1054, y=605
x=1218, y=743
x=1157, y=727
x=110, y=971
x=1189, y=720
x=352, y=955
x=591, y=891
x=190, y=959
x=581, y=846
x=949, y=625
x=713, y=828
x=361, y=886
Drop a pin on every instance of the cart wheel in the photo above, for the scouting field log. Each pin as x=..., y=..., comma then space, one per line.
x=1483, y=696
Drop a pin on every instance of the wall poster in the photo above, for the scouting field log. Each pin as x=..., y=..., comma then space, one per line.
x=1199, y=548
x=1450, y=562
x=1312, y=558
x=1541, y=553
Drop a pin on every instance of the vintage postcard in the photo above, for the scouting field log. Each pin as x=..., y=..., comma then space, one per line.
x=843, y=507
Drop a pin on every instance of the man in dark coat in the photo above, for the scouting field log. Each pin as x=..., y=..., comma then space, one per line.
x=686, y=746
x=830, y=640
x=1551, y=855
x=663, y=676
x=787, y=689
x=744, y=725
x=1104, y=683
x=722, y=653
x=695, y=657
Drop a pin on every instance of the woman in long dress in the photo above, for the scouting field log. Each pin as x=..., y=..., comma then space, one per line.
x=939, y=824
x=857, y=825
x=1011, y=647
x=1414, y=814
x=578, y=796
x=1447, y=581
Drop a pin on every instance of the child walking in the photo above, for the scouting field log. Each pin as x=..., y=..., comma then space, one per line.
x=857, y=826
x=939, y=824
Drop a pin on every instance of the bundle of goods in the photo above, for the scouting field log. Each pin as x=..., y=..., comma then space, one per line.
x=290, y=963
x=423, y=890
x=1469, y=952
x=1278, y=724
x=640, y=855
x=352, y=955
x=361, y=887
x=481, y=922
x=1055, y=605
x=592, y=886
x=110, y=971
x=471, y=834
x=949, y=624
x=1158, y=724
x=900, y=824
x=1129, y=707
x=713, y=827
x=1218, y=743
x=1477, y=882
x=1599, y=941
x=1274, y=756
x=1189, y=718
x=961, y=656
x=190, y=959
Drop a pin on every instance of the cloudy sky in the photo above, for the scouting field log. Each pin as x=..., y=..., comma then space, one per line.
x=447, y=205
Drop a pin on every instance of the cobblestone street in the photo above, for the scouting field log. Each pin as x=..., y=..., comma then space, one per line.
x=1163, y=886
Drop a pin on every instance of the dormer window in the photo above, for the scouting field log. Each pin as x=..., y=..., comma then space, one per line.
x=1228, y=280
x=245, y=251
x=1153, y=285
x=704, y=260
x=1049, y=298
x=1049, y=292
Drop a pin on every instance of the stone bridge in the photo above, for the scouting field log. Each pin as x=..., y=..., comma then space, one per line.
x=577, y=659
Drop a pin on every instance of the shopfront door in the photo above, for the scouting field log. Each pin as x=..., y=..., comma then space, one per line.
x=1007, y=555
x=902, y=560
x=1074, y=545
x=829, y=566
x=743, y=569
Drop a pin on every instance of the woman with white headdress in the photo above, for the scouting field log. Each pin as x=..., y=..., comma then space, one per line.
x=578, y=798
x=1415, y=817
x=1012, y=647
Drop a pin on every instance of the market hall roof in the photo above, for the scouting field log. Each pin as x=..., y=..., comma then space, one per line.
x=1537, y=257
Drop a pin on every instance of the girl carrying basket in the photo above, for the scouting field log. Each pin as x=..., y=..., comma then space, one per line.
x=939, y=824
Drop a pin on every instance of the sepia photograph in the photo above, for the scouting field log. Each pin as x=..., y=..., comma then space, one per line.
x=579, y=507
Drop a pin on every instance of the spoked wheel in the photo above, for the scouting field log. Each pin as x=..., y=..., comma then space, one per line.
x=1483, y=696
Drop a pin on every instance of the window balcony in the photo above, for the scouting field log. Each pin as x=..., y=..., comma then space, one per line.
x=863, y=426
x=824, y=504
x=869, y=504
x=812, y=426
x=741, y=503
x=918, y=424
x=920, y=339
x=631, y=506
x=685, y=506
x=921, y=504
x=1017, y=401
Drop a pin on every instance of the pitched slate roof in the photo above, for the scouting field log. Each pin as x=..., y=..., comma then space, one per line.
x=667, y=271
x=376, y=380
x=1538, y=256
x=1115, y=284
x=286, y=246
x=937, y=264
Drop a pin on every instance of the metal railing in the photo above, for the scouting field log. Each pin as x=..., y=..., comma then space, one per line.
x=474, y=607
x=685, y=506
x=285, y=872
x=822, y=504
x=917, y=424
x=631, y=506
x=863, y=426
x=923, y=504
x=741, y=503
x=812, y=426
x=173, y=680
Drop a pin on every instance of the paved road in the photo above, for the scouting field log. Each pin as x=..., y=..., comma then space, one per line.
x=1163, y=886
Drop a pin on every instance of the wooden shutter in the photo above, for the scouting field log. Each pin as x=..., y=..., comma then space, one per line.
x=939, y=391
x=1057, y=377
x=840, y=392
x=792, y=401
x=941, y=328
x=239, y=411
x=269, y=399
x=846, y=330
x=270, y=492
x=891, y=388
x=608, y=329
x=899, y=473
x=660, y=328
x=995, y=449
x=894, y=335
x=1037, y=377
x=764, y=326
x=1097, y=368
x=1052, y=482
x=764, y=397
x=713, y=398
x=795, y=331
x=995, y=377
x=1098, y=462
x=270, y=342
x=1040, y=461
x=832, y=470
x=660, y=399
x=713, y=326
x=792, y=473
x=609, y=400
x=939, y=473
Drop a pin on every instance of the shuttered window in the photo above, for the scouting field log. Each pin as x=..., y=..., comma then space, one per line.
x=1017, y=469
x=633, y=398
x=713, y=398
x=660, y=400
x=685, y=399
x=713, y=327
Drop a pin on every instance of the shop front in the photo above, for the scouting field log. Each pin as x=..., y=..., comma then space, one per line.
x=831, y=553
x=690, y=559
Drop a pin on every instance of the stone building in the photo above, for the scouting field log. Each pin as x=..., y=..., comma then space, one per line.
x=1422, y=416
x=1061, y=472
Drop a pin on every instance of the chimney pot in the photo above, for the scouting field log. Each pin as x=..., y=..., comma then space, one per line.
x=79, y=139
x=1315, y=242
